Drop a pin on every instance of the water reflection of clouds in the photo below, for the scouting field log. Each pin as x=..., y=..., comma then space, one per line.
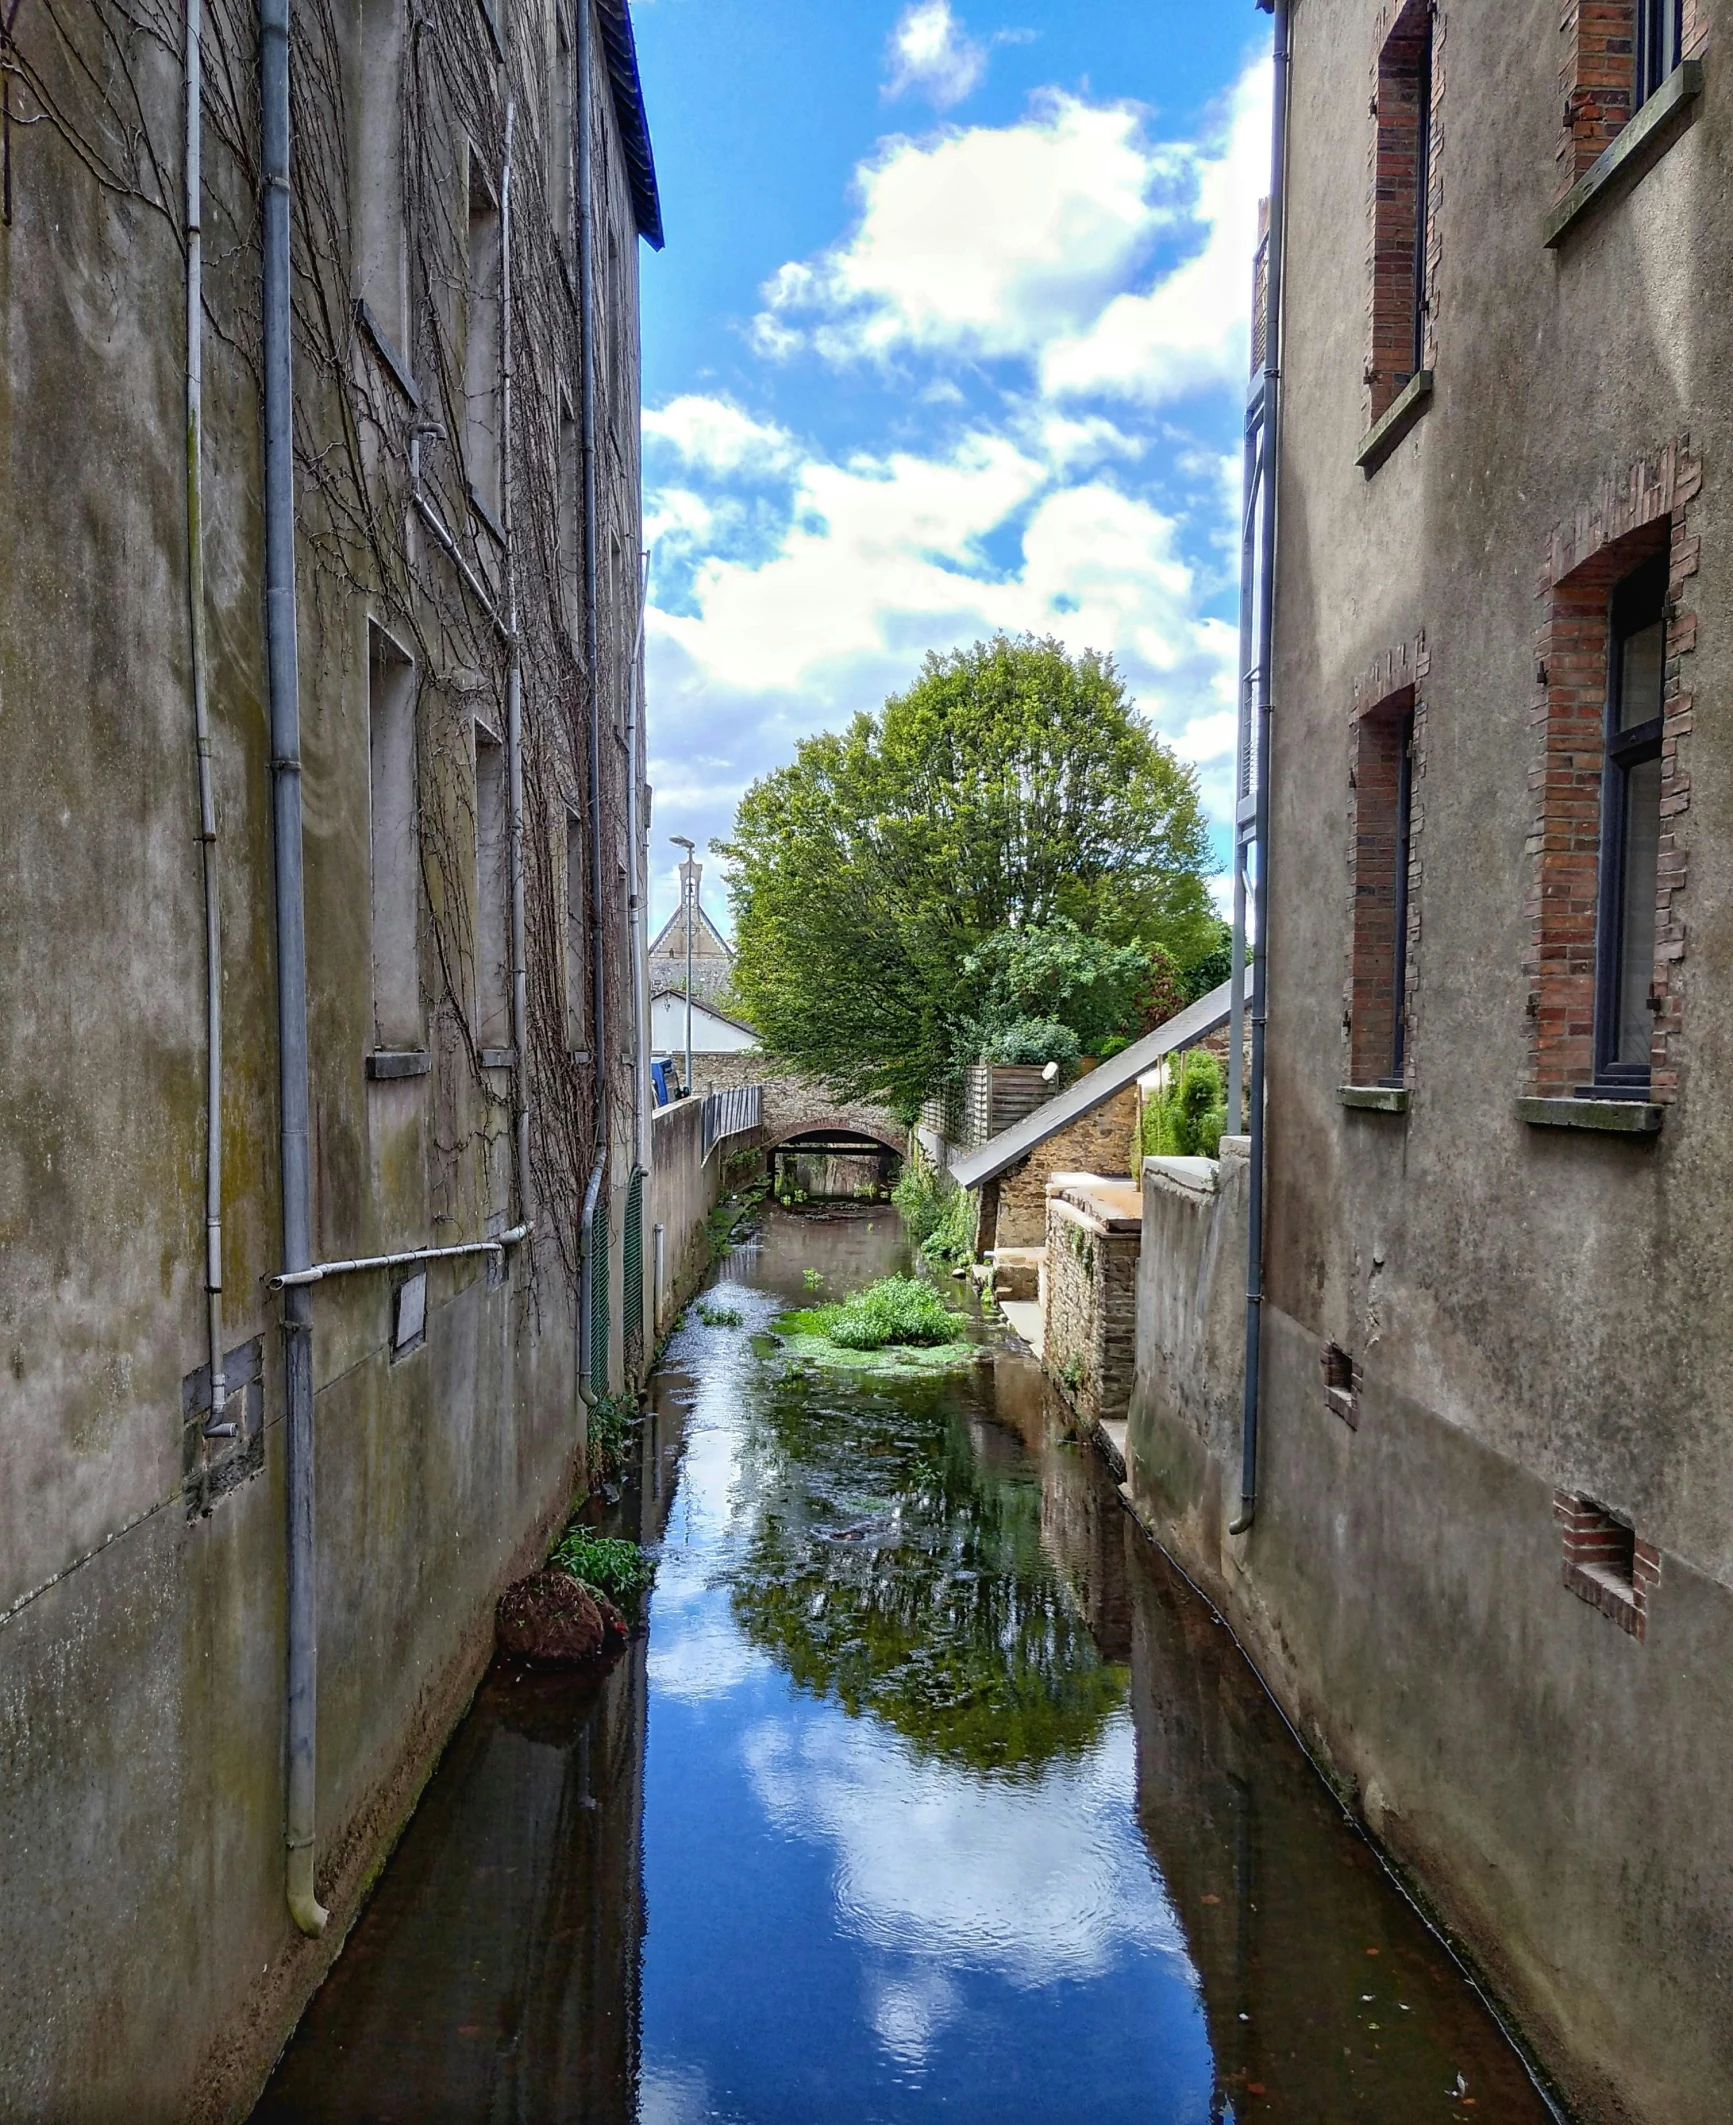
x=1038, y=1883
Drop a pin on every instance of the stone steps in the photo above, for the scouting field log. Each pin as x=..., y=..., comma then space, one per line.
x=1017, y=1272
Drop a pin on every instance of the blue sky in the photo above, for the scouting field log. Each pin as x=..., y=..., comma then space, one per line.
x=949, y=336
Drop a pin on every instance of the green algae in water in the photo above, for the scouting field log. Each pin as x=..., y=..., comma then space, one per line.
x=899, y=1324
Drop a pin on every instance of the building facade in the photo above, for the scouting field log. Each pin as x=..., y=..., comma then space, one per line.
x=322, y=897
x=690, y=936
x=1489, y=1564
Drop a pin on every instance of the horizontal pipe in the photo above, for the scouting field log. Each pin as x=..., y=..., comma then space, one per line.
x=436, y=524
x=293, y=1279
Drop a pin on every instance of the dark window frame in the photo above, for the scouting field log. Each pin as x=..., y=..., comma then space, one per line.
x=1639, y=601
x=1659, y=41
x=1399, y=913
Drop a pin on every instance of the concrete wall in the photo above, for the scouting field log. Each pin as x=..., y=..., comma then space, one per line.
x=1532, y=1310
x=141, y=1568
x=685, y=1187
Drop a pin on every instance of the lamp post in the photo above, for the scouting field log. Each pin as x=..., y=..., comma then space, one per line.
x=681, y=842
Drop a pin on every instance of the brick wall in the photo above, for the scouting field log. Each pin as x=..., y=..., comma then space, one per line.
x=1605, y=1564
x=1089, y=1321
x=1408, y=69
x=1015, y=1206
x=1645, y=511
x=1597, y=76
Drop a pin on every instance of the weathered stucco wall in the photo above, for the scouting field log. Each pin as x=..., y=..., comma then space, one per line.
x=1528, y=1310
x=142, y=1637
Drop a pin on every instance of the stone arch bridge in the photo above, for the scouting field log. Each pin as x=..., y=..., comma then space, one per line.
x=798, y=1107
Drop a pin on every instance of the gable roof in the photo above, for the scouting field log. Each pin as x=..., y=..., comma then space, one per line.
x=1184, y=1030
x=701, y=1009
x=708, y=941
x=615, y=17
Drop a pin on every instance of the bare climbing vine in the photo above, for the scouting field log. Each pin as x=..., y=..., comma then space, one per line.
x=104, y=79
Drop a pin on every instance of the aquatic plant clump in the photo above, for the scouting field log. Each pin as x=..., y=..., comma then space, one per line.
x=897, y=1309
x=612, y=1566
x=719, y=1316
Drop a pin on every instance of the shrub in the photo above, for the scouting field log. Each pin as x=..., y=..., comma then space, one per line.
x=1032, y=1040
x=920, y=1198
x=1188, y=1118
x=952, y=1239
x=613, y=1567
x=897, y=1309
x=610, y=1420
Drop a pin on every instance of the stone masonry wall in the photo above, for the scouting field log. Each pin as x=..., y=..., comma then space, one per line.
x=1097, y=1142
x=1090, y=1310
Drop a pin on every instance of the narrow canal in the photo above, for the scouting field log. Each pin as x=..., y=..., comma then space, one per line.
x=931, y=1793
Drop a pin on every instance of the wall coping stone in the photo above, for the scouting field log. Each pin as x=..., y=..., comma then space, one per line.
x=1617, y=1117
x=1375, y=1099
x=1641, y=142
x=1198, y=1176
x=1384, y=434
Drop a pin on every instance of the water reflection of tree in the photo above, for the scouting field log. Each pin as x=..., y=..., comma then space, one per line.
x=895, y=1564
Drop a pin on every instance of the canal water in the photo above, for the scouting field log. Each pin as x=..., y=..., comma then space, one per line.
x=930, y=1793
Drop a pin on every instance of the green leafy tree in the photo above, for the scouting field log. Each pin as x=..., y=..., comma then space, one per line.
x=1013, y=787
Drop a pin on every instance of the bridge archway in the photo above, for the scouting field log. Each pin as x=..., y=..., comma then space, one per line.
x=833, y=1159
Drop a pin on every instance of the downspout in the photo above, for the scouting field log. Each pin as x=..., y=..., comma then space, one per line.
x=587, y=397
x=216, y=1427
x=638, y=887
x=282, y=660
x=520, y=1012
x=1261, y=890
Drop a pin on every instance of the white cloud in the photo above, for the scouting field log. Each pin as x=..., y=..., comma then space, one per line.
x=1039, y=1883
x=1189, y=329
x=929, y=51
x=983, y=242
x=715, y=436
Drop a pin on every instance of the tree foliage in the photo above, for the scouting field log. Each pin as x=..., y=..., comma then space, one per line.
x=1012, y=789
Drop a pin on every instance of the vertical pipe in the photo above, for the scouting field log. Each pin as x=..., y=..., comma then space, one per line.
x=520, y=1013
x=282, y=660
x=1261, y=890
x=592, y=636
x=216, y=1427
x=638, y=886
x=1243, y=747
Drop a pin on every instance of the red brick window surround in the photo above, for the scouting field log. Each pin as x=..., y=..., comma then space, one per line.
x=1642, y=515
x=1383, y=794
x=1385, y=767
x=1408, y=80
x=1609, y=47
x=1605, y=1563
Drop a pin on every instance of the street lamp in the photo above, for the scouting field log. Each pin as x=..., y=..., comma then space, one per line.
x=681, y=842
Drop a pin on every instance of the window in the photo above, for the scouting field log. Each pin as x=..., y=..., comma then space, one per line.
x=569, y=473
x=481, y=439
x=1660, y=32
x=492, y=895
x=381, y=252
x=575, y=996
x=1383, y=813
x=1402, y=206
x=561, y=140
x=1630, y=832
x=394, y=846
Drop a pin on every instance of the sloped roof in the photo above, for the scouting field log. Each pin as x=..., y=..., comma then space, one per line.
x=708, y=941
x=706, y=1010
x=1185, y=1030
x=615, y=16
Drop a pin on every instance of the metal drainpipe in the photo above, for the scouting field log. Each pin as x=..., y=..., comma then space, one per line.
x=216, y=1427
x=636, y=910
x=282, y=660
x=587, y=396
x=1261, y=892
x=520, y=1012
